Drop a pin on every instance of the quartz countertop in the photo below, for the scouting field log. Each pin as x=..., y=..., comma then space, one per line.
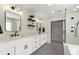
x=18, y=38
x=13, y=41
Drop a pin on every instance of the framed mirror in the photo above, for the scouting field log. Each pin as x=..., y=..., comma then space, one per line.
x=13, y=21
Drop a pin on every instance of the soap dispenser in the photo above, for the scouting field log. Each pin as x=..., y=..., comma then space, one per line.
x=40, y=30
x=1, y=31
x=43, y=29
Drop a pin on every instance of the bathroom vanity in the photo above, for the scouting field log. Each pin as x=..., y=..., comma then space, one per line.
x=23, y=45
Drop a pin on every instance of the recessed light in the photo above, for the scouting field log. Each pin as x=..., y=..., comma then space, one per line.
x=53, y=11
x=77, y=6
x=74, y=9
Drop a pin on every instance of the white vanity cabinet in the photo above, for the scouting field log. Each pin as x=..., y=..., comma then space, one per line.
x=43, y=39
x=23, y=48
x=38, y=41
x=20, y=49
x=7, y=51
x=35, y=43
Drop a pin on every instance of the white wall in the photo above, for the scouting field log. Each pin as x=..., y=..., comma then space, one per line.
x=48, y=25
x=2, y=22
x=25, y=30
x=69, y=35
x=46, y=22
x=2, y=18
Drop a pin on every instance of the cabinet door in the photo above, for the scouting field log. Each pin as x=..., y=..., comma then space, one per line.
x=39, y=41
x=21, y=49
x=35, y=44
x=24, y=48
x=43, y=39
x=8, y=51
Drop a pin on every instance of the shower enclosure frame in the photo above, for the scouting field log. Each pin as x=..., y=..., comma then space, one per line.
x=64, y=30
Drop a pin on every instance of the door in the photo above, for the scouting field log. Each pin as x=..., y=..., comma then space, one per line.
x=57, y=31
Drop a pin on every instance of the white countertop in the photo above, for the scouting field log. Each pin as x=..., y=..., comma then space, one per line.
x=13, y=41
x=18, y=37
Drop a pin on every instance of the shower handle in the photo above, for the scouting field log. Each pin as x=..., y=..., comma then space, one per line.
x=75, y=29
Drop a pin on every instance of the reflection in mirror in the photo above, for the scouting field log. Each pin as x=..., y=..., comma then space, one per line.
x=1, y=31
x=13, y=21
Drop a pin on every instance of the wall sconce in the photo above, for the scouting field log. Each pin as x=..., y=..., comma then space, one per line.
x=16, y=9
x=13, y=7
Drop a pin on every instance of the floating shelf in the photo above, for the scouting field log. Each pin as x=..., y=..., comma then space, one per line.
x=31, y=16
x=30, y=25
x=29, y=19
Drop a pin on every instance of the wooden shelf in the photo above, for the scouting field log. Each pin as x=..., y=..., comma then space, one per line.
x=32, y=22
x=30, y=25
x=29, y=19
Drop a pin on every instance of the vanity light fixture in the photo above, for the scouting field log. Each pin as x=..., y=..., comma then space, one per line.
x=13, y=7
x=18, y=9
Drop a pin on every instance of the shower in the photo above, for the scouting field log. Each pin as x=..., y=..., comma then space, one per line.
x=75, y=31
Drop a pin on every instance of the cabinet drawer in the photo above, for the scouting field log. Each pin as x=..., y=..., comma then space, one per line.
x=9, y=51
x=20, y=49
x=44, y=38
x=23, y=49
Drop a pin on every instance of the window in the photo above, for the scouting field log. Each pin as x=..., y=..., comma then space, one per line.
x=8, y=26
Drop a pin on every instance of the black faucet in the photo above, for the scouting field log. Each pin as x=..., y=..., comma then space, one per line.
x=15, y=33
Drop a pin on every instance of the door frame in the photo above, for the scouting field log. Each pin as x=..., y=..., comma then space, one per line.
x=64, y=30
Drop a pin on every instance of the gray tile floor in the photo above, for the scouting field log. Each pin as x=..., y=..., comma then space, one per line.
x=56, y=48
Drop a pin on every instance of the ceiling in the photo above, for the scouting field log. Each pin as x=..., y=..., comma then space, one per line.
x=43, y=10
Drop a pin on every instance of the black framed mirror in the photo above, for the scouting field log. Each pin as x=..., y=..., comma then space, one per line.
x=1, y=31
x=13, y=21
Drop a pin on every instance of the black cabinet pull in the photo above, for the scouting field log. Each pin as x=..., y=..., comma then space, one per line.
x=25, y=46
x=8, y=53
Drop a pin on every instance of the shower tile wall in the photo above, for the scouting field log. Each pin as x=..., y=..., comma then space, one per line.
x=69, y=23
